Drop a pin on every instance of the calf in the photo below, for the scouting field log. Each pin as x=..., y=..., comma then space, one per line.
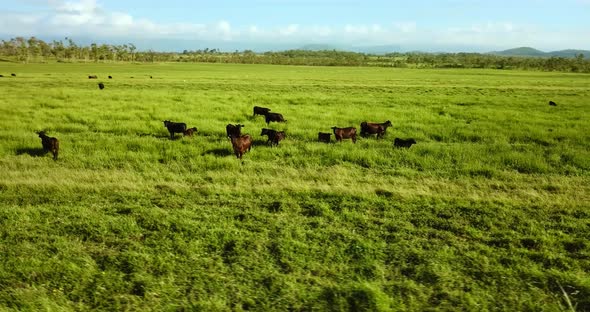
x=406, y=143
x=49, y=144
x=260, y=110
x=274, y=137
x=101, y=85
x=324, y=137
x=190, y=131
x=13, y=75
x=276, y=117
x=233, y=130
x=174, y=127
x=110, y=77
x=345, y=133
x=92, y=77
x=551, y=103
x=240, y=144
x=370, y=128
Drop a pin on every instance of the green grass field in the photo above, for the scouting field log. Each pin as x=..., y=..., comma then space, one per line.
x=490, y=210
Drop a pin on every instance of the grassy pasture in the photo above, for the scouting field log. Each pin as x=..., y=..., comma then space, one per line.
x=490, y=210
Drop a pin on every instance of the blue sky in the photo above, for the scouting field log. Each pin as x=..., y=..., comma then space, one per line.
x=452, y=25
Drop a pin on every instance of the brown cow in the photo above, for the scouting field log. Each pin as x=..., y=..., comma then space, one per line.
x=406, y=143
x=324, y=137
x=49, y=144
x=370, y=128
x=260, y=110
x=190, y=131
x=345, y=133
x=240, y=144
x=233, y=130
x=92, y=77
x=274, y=137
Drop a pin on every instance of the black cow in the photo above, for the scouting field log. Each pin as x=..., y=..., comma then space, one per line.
x=551, y=103
x=406, y=143
x=260, y=110
x=92, y=77
x=324, y=137
x=49, y=144
x=174, y=127
x=370, y=128
x=276, y=117
x=110, y=77
x=345, y=133
x=13, y=75
x=274, y=137
x=233, y=130
x=101, y=85
x=240, y=144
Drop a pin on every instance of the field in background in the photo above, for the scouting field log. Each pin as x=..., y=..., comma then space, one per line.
x=490, y=210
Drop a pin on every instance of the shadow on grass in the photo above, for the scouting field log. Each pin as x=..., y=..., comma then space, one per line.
x=32, y=151
x=160, y=136
x=220, y=152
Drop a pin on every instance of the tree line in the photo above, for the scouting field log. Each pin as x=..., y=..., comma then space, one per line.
x=35, y=50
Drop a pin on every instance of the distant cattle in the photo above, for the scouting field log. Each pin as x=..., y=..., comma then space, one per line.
x=345, y=133
x=190, y=131
x=276, y=117
x=324, y=137
x=233, y=130
x=49, y=144
x=240, y=144
x=110, y=77
x=13, y=75
x=260, y=110
x=174, y=127
x=101, y=85
x=369, y=128
x=92, y=77
x=1, y=75
x=406, y=143
x=552, y=103
x=274, y=137
x=151, y=77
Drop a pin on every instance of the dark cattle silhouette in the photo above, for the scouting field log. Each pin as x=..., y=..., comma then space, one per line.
x=274, y=137
x=1, y=75
x=13, y=75
x=174, y=127
x=92, y=77
x=406, y=143
x=345, y=133
x=233, y=130
x=260, y=110
x=552, y=103
x=276, y=117
x=324, y=137
x=370, y=128
x=240, y=144
x=101, y=85
x=49, y=144
x=190, y=131
x=110, y=77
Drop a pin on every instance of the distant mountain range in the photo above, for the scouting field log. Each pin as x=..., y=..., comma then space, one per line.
x=522, y=51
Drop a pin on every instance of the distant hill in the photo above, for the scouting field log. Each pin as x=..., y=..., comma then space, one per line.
x=321, y=47
x=531, y=52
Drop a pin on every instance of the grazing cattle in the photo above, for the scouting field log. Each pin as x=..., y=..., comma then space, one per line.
x=260, y=110
x=274, y=137
x=190, y=131
x=369, y=128
x=151, y=77
x=276, y=117
x=101, y=85
x=324, y=137
x=13, y=75
x=49, y=144
x=1, y=75
x=240, y=144
x=233, y=130
x=345, y=133
x=406, y=143
x=552, y=103
x=92, y=77
x=110, y=77
x=174, y=127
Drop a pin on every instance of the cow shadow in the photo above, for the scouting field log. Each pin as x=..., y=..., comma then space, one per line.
x=160, y=136
x=219, y=152
x=31, y=151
